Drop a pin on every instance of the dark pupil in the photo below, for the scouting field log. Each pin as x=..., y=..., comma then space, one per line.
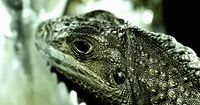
x=119, y=77
x=81, y=46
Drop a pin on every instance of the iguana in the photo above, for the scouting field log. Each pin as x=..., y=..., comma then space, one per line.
x=118, y=63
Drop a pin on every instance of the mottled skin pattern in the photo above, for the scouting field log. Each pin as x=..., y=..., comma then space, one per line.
x=119, y=63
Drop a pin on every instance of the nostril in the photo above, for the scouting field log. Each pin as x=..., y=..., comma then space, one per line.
x=43, y=32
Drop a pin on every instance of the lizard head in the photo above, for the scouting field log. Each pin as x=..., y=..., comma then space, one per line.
x=90, y=51
x=118, y=63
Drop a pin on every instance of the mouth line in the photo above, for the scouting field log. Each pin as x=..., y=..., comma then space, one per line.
x=66, y=63
x=72, y=72
x=54, y=58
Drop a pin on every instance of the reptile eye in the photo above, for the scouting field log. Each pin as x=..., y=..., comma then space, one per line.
x=82, y=47
x=119, y=77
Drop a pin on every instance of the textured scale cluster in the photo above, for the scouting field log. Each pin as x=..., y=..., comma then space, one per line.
x=168, y=69
x=118, y=63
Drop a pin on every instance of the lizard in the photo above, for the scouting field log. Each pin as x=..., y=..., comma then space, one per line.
x=119, y=63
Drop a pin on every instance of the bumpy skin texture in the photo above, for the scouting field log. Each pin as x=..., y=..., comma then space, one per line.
x=119, y=63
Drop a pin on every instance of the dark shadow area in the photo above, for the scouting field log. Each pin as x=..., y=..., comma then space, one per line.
x=182, y=21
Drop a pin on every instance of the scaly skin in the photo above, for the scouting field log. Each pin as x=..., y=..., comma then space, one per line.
x=119, y=63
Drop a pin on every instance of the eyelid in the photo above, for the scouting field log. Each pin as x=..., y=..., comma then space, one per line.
x=84, y=41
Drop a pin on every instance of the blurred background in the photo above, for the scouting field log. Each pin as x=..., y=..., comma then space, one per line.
x=143, y=13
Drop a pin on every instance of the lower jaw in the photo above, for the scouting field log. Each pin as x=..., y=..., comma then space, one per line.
x=83, y=96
